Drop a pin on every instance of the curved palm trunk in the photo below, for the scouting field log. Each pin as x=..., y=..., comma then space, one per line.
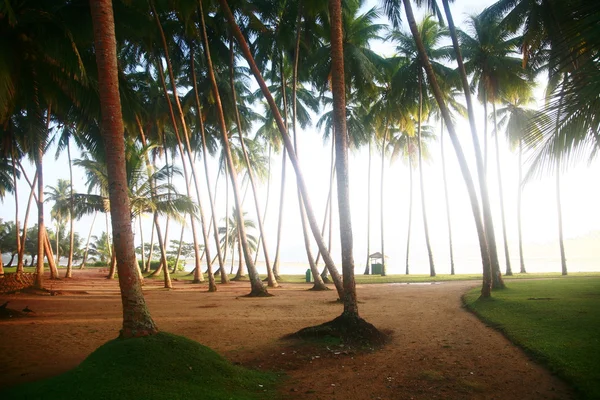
x=381, y=199
x=142, y=255
x=163, y=255
x=136, y=318
x=519, y=198
x=198, y=274
x=220, y=257
x=257, y=288
x=410, y=206
x=69, y=272
x=421, y=180
x=318, y=281
x=287, y=142
x=485, y=200
x=271, y=280
x=504, y=236
x=330, y=209
x=368, y=263
x=447, y=201
x=57, y=240
x=481, y=232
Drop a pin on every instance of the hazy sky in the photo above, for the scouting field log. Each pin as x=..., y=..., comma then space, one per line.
x=580, y=196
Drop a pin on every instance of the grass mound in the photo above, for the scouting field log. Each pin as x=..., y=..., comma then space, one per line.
x=351, y=330
x=555, y=320
x=162, y=366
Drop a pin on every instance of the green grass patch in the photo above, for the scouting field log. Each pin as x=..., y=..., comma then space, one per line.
x=162, y=366
x=555, y=320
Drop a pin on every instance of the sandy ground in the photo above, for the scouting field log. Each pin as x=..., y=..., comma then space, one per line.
x=437, y=348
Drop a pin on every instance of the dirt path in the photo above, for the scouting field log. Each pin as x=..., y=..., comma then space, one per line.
x=438, y=350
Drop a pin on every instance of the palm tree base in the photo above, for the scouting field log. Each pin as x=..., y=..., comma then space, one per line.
x=319, y=288
x=259, y=293
x=239, y=278
x=350, y=328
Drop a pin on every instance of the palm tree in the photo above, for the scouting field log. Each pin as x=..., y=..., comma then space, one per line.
x=288, y=145
x=413, y=68
x=136, y=317
x=60, y=195
x=435, y=87
x=495, y=71
x=257, y=287
x=230, y=236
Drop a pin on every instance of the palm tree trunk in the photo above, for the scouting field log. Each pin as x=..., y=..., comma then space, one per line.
x=272, y=281
x=150, y=251
x=142, y=255
x=381, y=200
x=280, y=216
x=341, y=152
x=69, y=272
x=330, y=232
x=505, y=237
x=287, y=142
x=20, y=257
x=264, y=215
x=481, y=232
x=422, y=182
x=519, y=198
x=220, y=257
x=563, y=258
x=198, y=277
x=452, y=272
x=163, y=254
x=179, y=249
x=410, y=206
x=57, y=241
x=19, y=244
x=257, y=288
x=368, y=263
x=136, y=318
x=39, y=277
x=485, y=133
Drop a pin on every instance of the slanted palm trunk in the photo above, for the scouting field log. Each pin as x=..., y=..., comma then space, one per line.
x=519, y=198
x=257, y=288
x=280, y=215
x=504, y=236
x=447, y=200
x=481, y=232
x=198, y=277
x=39, y=278
x=20, y=257
x=136, y=317
x=220, y=257
x=272, y=281
x=20, y=244
x=422, y=181
x=288, y=144
x=266, y=207
x=563, y=258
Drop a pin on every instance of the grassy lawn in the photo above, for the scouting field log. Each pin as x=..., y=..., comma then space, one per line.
x=555, y=320
x=163, y=366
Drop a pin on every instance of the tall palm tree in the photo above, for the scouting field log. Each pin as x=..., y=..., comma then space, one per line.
x=517, y=121
x=60, y=195
x=435, y=87
x=288, y=145
x=489, y=58
x=136, y=317
x=230, y=236
x=411, y=78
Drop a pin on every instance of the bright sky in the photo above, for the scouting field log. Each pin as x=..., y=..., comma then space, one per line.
x=579, y=200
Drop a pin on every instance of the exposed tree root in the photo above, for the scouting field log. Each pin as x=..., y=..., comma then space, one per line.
x=258, y=293
x=350, y=328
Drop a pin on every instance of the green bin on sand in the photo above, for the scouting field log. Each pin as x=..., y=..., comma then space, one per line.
x=308, y=276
